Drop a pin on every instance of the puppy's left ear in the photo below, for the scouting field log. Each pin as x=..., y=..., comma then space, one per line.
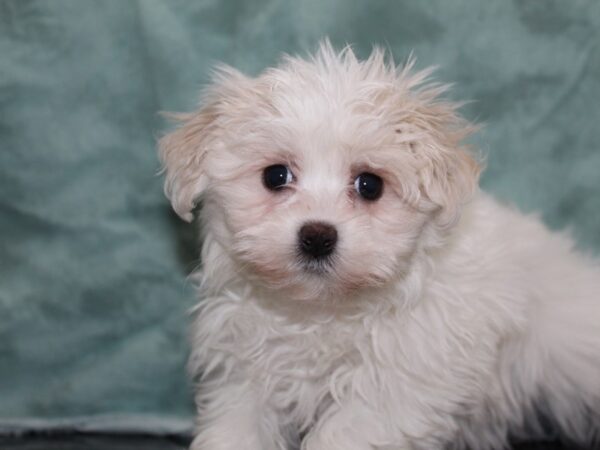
x=447, y=168
x=449, y=180
x=182, y=152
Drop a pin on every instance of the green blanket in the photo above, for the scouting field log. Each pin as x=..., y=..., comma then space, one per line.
x=93, y=264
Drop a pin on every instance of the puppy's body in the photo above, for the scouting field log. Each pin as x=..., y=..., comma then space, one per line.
x=441, y=318
x=505, y=324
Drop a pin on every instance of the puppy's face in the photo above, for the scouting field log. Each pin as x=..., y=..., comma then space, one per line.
x=323, y=177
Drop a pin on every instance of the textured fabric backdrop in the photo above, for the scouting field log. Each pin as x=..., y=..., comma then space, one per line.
x=93, y=264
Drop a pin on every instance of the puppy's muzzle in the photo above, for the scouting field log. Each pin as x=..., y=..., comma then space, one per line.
x=317, y=239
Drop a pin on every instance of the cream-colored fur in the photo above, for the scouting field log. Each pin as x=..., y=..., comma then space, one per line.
x=443, y=318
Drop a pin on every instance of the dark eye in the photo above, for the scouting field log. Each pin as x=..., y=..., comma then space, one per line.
x=369, y=186
x=277, y=176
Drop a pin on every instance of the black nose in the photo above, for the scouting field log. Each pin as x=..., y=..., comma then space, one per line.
x=317, y=239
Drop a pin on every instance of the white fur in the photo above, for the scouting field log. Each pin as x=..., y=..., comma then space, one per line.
x=445, y=318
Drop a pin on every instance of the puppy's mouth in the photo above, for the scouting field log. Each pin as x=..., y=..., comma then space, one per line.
x=321, y=265
x=316, y=266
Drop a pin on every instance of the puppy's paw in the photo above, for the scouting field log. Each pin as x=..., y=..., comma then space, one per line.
x=333, y=441
x=196, y=445
x=225, y=442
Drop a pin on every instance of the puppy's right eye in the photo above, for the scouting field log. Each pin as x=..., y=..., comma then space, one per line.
x=277, y=176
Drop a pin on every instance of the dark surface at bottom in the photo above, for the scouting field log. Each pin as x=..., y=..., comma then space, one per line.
x=80, y=441
x=93, y=442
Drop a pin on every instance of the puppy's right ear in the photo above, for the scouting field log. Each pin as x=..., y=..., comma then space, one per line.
x=182, y=153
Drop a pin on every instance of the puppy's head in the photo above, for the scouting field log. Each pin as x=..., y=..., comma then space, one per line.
x=322, y=176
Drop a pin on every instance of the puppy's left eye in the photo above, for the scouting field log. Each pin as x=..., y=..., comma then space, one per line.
x=369, y=186
x=277, y=176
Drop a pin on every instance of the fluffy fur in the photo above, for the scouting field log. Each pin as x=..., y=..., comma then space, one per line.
x=443, y=319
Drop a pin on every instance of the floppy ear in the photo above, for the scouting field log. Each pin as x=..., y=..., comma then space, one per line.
x=182, y=152
x=448, y=171
x=449, y=179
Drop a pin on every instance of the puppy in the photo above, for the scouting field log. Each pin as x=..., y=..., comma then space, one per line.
x=358, y=291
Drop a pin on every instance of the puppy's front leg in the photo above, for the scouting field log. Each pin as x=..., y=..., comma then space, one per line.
x=230, y=418
x=352, y=426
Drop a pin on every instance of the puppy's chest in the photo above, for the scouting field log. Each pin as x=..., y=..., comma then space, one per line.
x=300, y=351
x=297, y=364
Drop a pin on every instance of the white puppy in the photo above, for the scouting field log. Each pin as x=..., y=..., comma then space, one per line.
x=358, y=291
